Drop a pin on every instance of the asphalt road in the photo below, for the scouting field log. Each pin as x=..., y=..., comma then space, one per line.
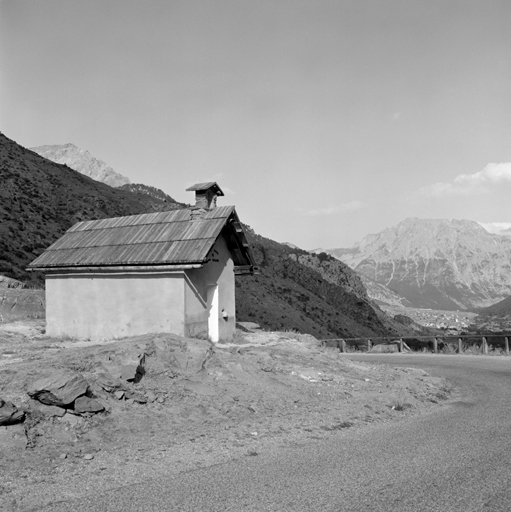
x=457, y=459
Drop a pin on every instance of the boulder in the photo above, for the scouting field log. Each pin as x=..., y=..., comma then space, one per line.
x=193, y=355
x=131, y=372
x=86, y=404
x=133, y=362
x=61, y=388
x=10, y=414
x=126, y=363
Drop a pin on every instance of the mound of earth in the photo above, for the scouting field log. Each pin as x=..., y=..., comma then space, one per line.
x=188, y=404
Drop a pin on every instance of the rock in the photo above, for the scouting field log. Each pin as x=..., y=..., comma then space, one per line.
x=63, y=456
x=132, y=362
x=112, y=369
x=86, y=404
x=61, y=388
x=189, y=354
x=108, y=383
x=131, y=372
x=88, y=456
x=125, y=363
x=10, y=414
x=137, y=397
x=119, y=394
x=48, y=410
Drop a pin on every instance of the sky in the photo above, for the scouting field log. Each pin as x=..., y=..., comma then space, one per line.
x=322, y=120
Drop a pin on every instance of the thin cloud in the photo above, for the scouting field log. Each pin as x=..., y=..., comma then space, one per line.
x=470, y=184
x=497, y=228
x=331, y=210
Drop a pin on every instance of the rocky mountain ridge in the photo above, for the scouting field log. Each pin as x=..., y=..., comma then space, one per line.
x=436, y=263
x=82, y=161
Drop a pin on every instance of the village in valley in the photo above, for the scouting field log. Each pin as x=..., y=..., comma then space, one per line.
x=452, y=322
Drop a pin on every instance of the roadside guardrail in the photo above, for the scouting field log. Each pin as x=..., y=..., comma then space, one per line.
x=465, y=343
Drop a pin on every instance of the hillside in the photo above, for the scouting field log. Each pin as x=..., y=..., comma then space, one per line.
x=40, y=200
x=501, y=308
x=381, y=294
x=436, y=263
x=494, y=318
x=333, y=271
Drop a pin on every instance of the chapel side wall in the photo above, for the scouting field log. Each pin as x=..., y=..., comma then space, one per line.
x=114, y=306
x=218, y=270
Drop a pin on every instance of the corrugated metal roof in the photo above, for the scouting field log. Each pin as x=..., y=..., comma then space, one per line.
x=153, y=238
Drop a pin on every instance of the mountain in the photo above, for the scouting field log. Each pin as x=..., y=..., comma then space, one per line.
x=82, y=161
x=436, y=263
x=40, y=200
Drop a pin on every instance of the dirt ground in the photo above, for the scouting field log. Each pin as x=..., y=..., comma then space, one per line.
x=206, y=404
